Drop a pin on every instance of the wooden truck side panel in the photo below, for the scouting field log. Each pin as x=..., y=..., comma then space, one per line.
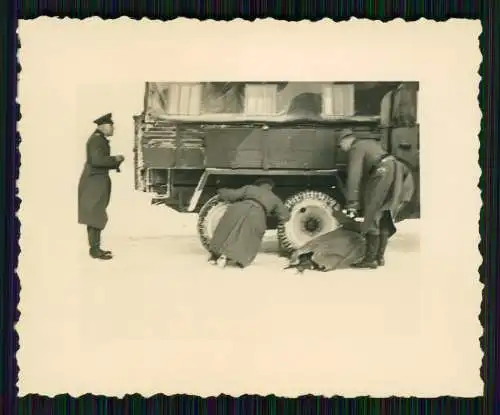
x=234, y=146
x=165, y=146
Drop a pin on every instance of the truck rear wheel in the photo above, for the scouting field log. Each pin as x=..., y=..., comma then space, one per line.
x=208, y=218
x=311, y=216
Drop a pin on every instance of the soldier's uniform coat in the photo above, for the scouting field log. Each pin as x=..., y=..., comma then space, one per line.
x=378, y=181
x=94, y=188
x=239, y=233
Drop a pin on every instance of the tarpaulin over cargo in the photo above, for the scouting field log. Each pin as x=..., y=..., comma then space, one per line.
x=253, y=101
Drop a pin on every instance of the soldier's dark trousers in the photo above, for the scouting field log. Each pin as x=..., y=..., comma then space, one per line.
x=94, y=236
x=383, y=239
x=376, y=242
x=372, y=250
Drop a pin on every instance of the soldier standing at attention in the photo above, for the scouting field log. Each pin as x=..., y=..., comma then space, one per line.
x=386, y=183
x=94, y=188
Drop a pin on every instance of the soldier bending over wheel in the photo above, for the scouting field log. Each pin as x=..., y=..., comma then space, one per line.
x=238, y=235
x=387, y=185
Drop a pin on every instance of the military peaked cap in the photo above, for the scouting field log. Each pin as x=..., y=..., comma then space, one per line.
x=105, y=119
x=346, y=132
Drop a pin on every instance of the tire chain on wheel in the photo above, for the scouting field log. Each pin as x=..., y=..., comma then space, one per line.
x=330, y=202
x=204, y=211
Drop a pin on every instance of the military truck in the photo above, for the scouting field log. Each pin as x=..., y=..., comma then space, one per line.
x=192, y=138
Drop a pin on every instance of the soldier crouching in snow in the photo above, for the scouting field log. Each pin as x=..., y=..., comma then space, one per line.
x=94, y=188
x=238, y=235
x=387, y=185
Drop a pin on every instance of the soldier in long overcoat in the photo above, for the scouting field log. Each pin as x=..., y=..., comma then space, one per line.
x=383, y=184
x=238, y=235
x=94, y=188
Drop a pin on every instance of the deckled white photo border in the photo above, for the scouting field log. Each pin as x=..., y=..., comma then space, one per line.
x=58, y=54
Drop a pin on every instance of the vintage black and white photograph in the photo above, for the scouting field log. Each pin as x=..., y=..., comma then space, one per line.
x=214, y=214
x=304, y=159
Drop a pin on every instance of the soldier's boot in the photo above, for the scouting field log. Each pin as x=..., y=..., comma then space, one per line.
x=370, y=259
x=103, y=252
x=95, y=250
x=98, y=254
x=383, y=239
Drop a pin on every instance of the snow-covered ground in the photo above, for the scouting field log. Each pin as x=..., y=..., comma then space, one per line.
x=158, y=318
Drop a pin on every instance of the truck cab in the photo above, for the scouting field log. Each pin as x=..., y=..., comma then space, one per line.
x=193, y=138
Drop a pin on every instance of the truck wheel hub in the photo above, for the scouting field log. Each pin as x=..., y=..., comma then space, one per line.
x=311, y=224
x=311, y=216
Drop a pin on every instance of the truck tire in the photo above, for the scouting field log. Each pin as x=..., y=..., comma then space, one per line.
x=311, y=216
x=208, y=217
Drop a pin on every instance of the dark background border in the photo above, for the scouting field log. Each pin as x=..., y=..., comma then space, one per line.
x=487, y=11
